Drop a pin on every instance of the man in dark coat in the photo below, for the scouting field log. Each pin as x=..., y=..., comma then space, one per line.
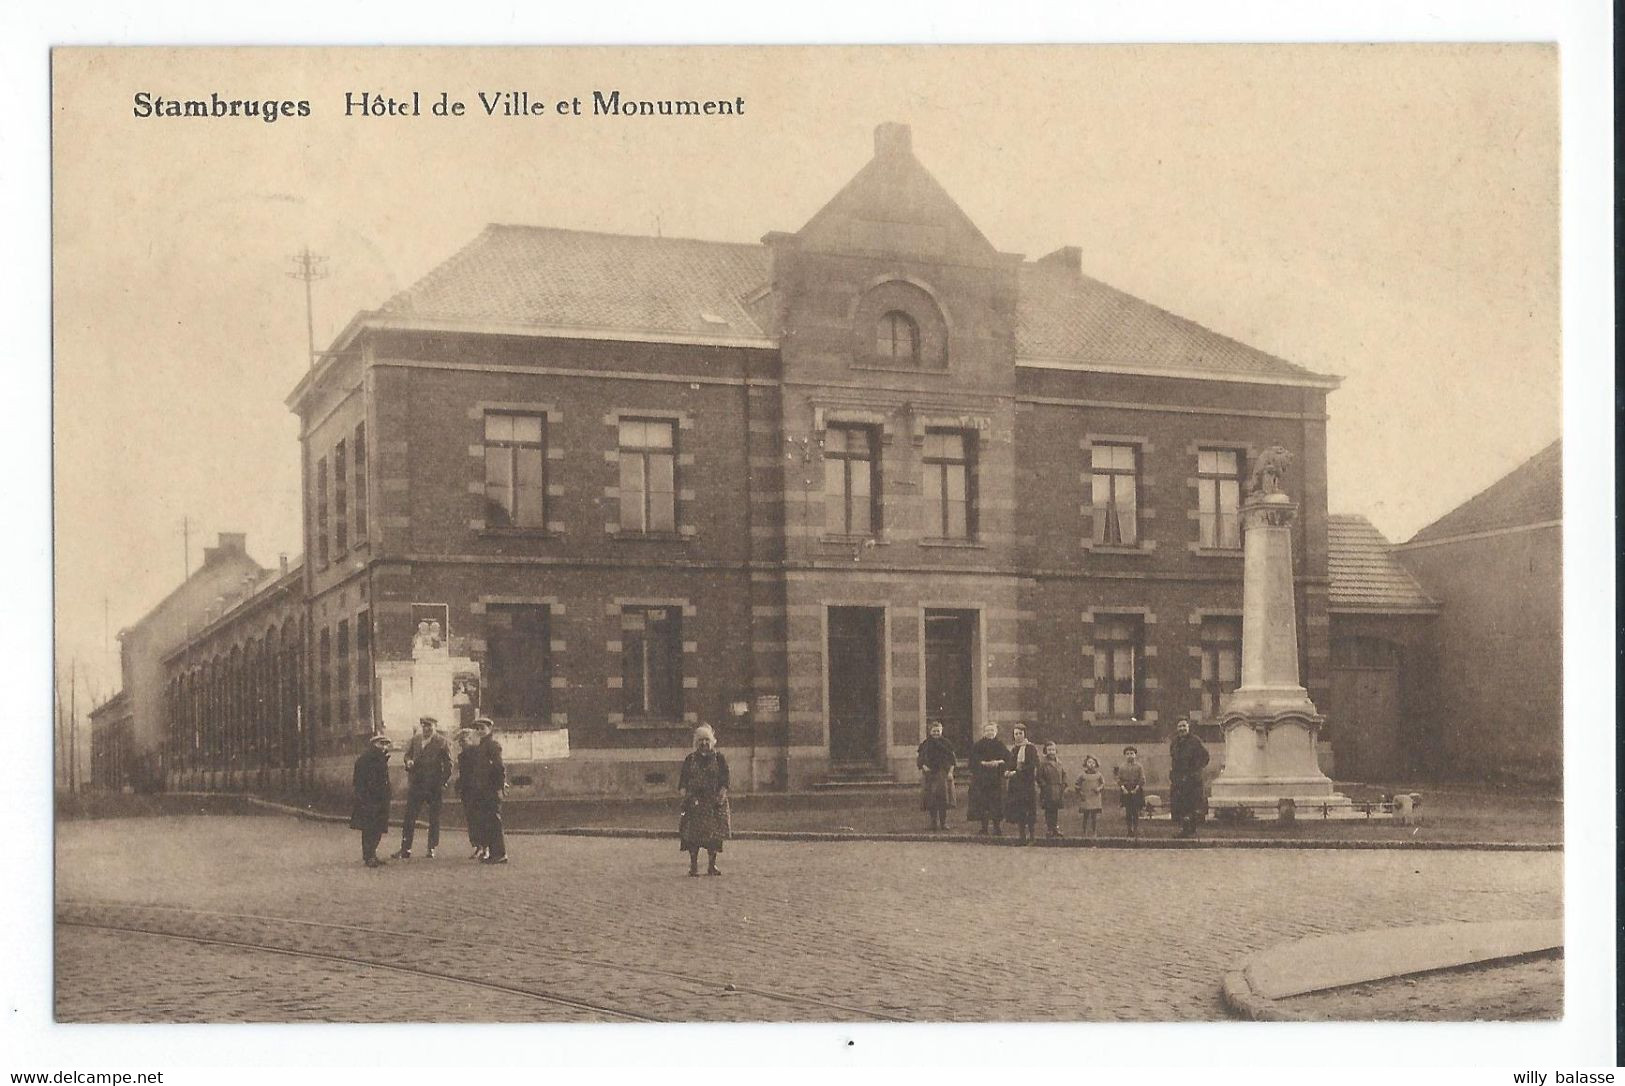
x=1185, y=799
x=370, y=812
x=468, y=769
x=490, y=780
x=428, y=768
x=1021, y=801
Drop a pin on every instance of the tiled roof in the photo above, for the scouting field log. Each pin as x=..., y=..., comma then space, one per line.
x=1364, y=574
x=545, y=278
x=1068, y=316
x=548, y=278
x=1531, y=494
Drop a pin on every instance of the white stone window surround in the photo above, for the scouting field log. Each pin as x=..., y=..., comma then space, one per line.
x=1145, y=481
x=613, y=646
x=1193, y=648
x=552, y=453
x=1148, y=651
x=682, y=422
x=556, y=645
x=1249, y=453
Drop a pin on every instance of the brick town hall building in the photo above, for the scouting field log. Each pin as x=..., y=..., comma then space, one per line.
x=812, y=491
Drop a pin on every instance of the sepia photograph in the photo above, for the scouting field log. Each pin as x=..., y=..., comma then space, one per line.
x=808, y=534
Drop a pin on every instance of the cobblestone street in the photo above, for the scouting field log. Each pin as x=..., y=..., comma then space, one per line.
x=274, y=919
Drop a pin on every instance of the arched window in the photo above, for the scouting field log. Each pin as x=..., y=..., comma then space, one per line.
x=897, y=338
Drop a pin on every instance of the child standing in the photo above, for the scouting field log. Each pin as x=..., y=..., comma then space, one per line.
x=1131, y=780
x=1051, y=789
x=1092, y=788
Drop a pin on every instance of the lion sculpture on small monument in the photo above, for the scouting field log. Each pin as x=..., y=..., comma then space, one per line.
x=1268, y=472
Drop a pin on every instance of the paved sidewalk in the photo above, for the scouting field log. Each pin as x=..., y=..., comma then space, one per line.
x=605, y=928
x=1325, y=962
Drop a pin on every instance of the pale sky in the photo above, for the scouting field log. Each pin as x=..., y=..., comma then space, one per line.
x=1386, y=213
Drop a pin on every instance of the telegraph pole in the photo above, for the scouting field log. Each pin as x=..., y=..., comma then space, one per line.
x=308, y=267
x=186, y=548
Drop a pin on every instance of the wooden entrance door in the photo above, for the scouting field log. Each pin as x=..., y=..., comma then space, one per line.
x=1365, y=709
x=854, y=685
x=950, y=639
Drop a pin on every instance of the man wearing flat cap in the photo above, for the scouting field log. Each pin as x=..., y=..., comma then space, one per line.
x=370, y=812
x=428, y=768
x=490, y=781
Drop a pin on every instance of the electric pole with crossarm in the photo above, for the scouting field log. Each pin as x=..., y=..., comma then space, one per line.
x=308, y=266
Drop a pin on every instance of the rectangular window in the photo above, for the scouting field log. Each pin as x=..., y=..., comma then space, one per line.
x=652, y=662
x=1218, y=496
x=851, y=478
x=950, y=484
x=324, y=676
x=341, y=681
x=321, y=511
x=1221, y=662
x=1119, y=665
x=341, y=502
x=515, y=470
x=358, y=458
x=518, y=664
x=363, y=671
x=648, y=454
x=1114, y=493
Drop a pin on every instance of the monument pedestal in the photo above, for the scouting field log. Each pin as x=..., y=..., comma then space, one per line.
x=1270, y=724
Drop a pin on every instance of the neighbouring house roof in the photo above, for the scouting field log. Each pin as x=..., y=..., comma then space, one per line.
x=116, y=705
x=1530, y=494
x=546, y=279
x=1365, y=576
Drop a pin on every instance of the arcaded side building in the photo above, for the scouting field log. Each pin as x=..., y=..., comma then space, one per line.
x=813, y=491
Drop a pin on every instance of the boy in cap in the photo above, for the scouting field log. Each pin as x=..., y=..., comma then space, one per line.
x=370, y=811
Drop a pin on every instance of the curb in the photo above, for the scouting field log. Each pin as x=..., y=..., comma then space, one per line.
x=1247, y=1004
x=1076, y=842
x=809, y=836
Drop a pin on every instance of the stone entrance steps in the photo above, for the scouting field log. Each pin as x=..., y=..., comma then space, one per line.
x=860, y=778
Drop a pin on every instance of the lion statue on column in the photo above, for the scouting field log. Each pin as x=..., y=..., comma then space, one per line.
x=1269, y=469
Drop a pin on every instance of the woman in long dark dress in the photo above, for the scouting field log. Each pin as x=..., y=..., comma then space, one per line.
x=704, y=784
x=987, y=765
x=936, y=761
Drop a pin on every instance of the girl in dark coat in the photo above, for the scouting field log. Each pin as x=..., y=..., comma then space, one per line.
x=370, y=811
x=705, y=821
x=936, y=761
x=1185, y=799
x=987, y=764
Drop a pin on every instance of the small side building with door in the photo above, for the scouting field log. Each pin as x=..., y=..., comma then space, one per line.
x=1495, y=566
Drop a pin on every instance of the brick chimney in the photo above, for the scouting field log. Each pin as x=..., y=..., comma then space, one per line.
x=233, y=542
x=892, y=138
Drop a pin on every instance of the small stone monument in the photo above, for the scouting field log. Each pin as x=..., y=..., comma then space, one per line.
x=1270, y=725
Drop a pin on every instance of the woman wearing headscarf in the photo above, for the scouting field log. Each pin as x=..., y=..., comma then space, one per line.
x=704, y=784
x=936, y=761
x=987, y=764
